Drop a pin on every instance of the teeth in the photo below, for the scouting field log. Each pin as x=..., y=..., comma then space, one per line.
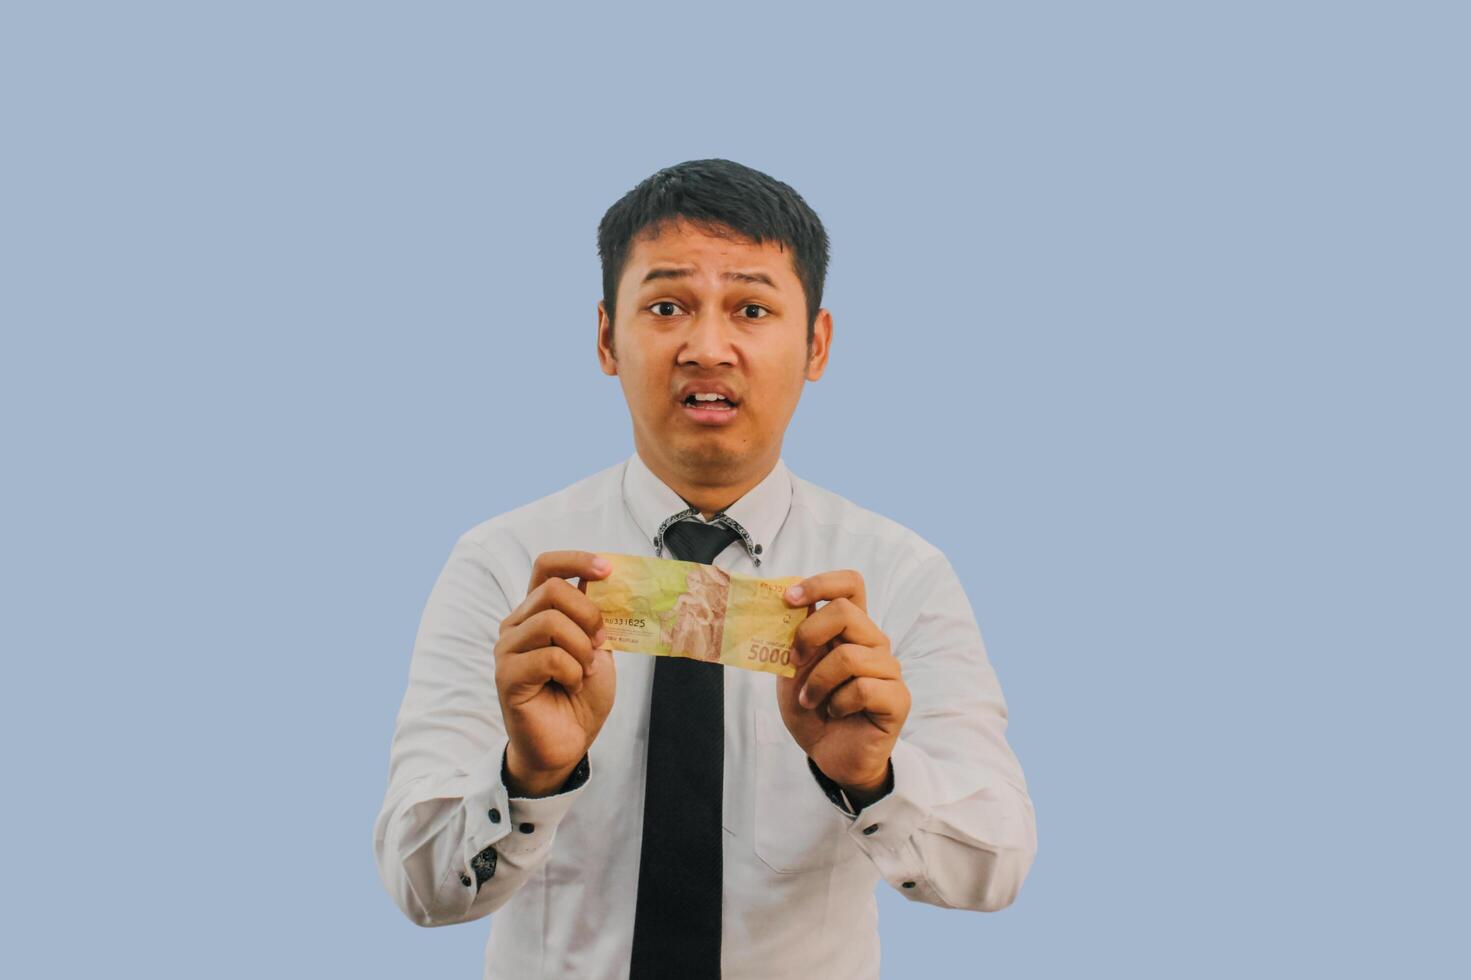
x=708, y=401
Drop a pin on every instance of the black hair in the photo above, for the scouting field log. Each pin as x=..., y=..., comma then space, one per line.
x=721, y=196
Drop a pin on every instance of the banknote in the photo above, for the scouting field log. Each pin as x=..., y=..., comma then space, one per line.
x=672, y=608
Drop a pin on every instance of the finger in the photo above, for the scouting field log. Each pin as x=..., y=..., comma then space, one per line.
x=550, y=628
x=841, y=663
x=813, y=634
x=880, y=699
x=522, y=675
x=847, y=584
x=559, y=594
x=839, y=618
x=568, y=564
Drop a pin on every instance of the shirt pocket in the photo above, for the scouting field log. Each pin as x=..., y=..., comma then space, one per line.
x=797, y=829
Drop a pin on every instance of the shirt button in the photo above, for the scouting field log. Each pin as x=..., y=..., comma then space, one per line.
x=909, y=884
x=527, y=828
x=871, y=828
x=465, y=880
x=494, y=815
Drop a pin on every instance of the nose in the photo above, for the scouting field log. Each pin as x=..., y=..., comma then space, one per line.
x=708, y=342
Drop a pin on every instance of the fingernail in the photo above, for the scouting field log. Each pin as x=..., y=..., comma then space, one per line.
x=795, y=593
x=803, y=698
x=601, y=565
x=600, y=638
x=592, y=668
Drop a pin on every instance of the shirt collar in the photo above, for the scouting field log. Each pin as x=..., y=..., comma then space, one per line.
x=761, y=510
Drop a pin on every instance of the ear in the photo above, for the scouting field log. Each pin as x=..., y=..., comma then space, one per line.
x=822, y=335
x=606, y=359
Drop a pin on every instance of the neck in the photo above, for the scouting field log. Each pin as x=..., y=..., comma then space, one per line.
x=709, y=495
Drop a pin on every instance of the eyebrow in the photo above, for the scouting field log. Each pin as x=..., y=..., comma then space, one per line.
x=752, y=277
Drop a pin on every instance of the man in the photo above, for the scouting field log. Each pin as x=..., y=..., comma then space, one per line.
x=632, y=816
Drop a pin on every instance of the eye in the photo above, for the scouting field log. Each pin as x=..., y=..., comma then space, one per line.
x=755, y=306
x=659, y=308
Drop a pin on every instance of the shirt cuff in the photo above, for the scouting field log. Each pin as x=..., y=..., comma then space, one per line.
x=514, y=828
x=885, y=829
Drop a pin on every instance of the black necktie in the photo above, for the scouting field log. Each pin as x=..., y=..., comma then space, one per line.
x=676, y=925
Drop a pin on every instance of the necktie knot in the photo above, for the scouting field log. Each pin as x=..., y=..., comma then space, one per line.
x=690, y=539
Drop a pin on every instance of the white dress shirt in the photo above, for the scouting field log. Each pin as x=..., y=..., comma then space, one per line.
x=957, y=830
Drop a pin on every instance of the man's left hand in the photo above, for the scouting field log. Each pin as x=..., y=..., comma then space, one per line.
x=847, y=703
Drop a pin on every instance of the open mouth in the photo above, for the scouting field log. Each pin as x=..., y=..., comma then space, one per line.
x=709, y=411
x=712, y=404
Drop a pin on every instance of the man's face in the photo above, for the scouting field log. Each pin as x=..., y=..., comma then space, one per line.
x=701, y=313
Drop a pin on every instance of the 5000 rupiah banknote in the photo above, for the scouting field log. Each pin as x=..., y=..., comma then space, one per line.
x=685, y=609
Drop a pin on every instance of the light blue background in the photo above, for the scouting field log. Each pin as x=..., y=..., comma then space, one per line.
x=1152, y=316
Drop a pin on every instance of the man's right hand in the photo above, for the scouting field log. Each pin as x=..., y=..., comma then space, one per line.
x=555, y=689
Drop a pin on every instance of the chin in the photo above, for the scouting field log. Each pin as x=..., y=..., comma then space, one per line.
x=708, y=456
